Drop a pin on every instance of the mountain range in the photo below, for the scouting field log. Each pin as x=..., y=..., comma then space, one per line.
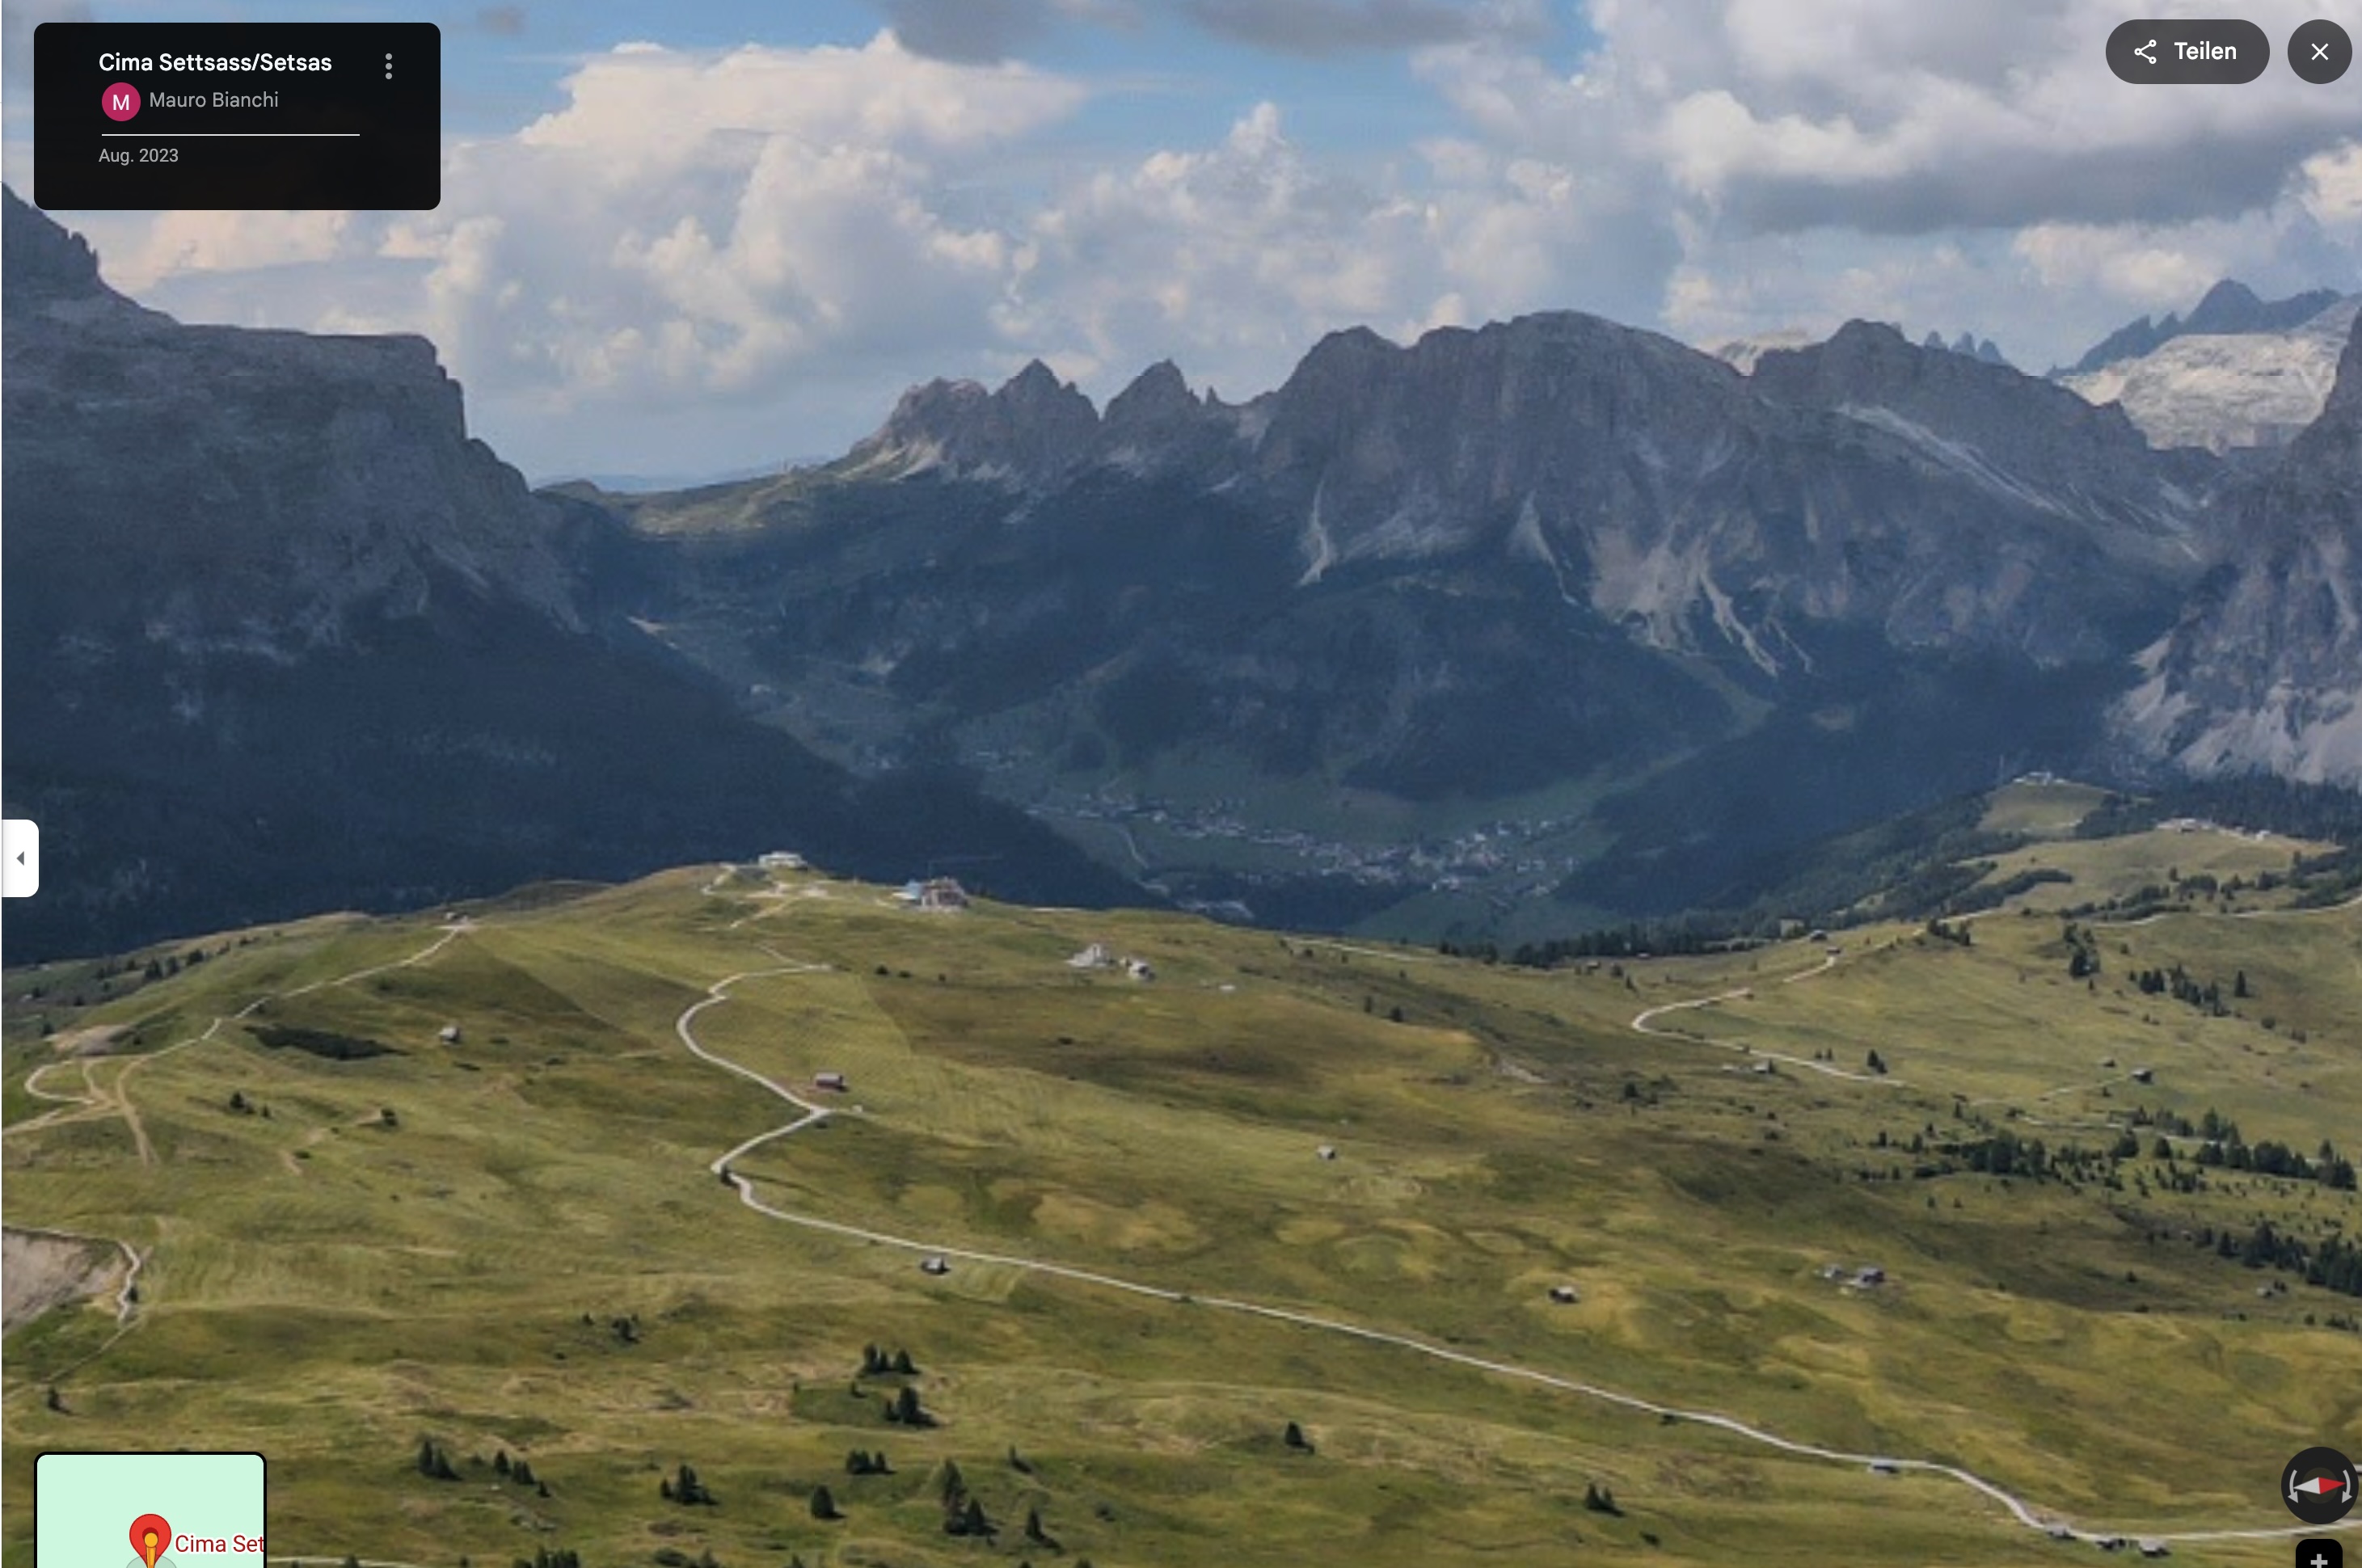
x=1499, y=633
x=2229, y=309
x=1505, y=629
x=280, y=637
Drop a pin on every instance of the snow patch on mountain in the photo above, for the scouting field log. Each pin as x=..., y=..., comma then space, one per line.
x=1740, y=353
x=2222, y=391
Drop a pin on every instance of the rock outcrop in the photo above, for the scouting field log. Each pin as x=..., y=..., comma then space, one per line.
x=2264, y=673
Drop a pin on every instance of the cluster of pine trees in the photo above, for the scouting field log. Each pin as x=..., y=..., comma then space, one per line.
x=2335, y=1264
x=2181, y=1126
x=434, y=1461
x=685, y=1488
x=1674, y=939
x=543, y=1557
x=2177, y=983
x=2005, y=1153
x=2333, y=1169
x=904, y=1409
x=2251, y=800
x=518, y=1472
x=876, y=1363
x=963, y=1514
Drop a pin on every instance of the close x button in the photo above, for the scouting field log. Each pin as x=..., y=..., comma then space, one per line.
x=2180, y=52
x=2320, y=51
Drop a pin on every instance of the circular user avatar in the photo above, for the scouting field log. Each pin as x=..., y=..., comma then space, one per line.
x=2320, y=51
x=120, y=101
x=2318, y=1486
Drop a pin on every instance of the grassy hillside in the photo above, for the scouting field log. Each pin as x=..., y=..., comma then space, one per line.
x=355, y=1237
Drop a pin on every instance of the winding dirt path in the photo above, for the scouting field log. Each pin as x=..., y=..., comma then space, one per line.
x=1643, y=1021
x=810, y=1115
x=116, y=1099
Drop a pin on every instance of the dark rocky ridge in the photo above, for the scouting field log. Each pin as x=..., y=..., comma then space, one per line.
x=1954, y=501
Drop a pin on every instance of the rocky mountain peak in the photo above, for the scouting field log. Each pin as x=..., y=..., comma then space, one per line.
x=1967, y=343
x=43, y=259
x=1159, y=395
x=1028, y=433
x=49, y=271
x=2229, y=308
x=1868, y=369
x=1036, y=383
x=933, y=408
x=1045, y=414
x=1337, y=364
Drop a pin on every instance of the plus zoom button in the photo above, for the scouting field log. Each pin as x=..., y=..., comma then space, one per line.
x=2180, y=52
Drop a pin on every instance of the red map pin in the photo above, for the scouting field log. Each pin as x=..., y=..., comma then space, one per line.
x=150, y=1536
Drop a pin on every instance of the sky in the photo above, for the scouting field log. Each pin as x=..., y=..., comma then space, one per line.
x=699, y=237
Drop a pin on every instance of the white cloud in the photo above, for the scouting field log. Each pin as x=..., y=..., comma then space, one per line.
x=765, y=244
x=209, y=241
x=687, y=228
x=1235, y=258
x=649, y=106
x=2332, y=187
x=1951, y=167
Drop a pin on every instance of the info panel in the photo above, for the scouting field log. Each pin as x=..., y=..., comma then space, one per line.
x=237, y=114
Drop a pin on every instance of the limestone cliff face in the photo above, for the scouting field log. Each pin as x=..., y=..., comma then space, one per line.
x=215, y=488
x=1936, y=499
x=1932, y=498
x=2264, y=672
